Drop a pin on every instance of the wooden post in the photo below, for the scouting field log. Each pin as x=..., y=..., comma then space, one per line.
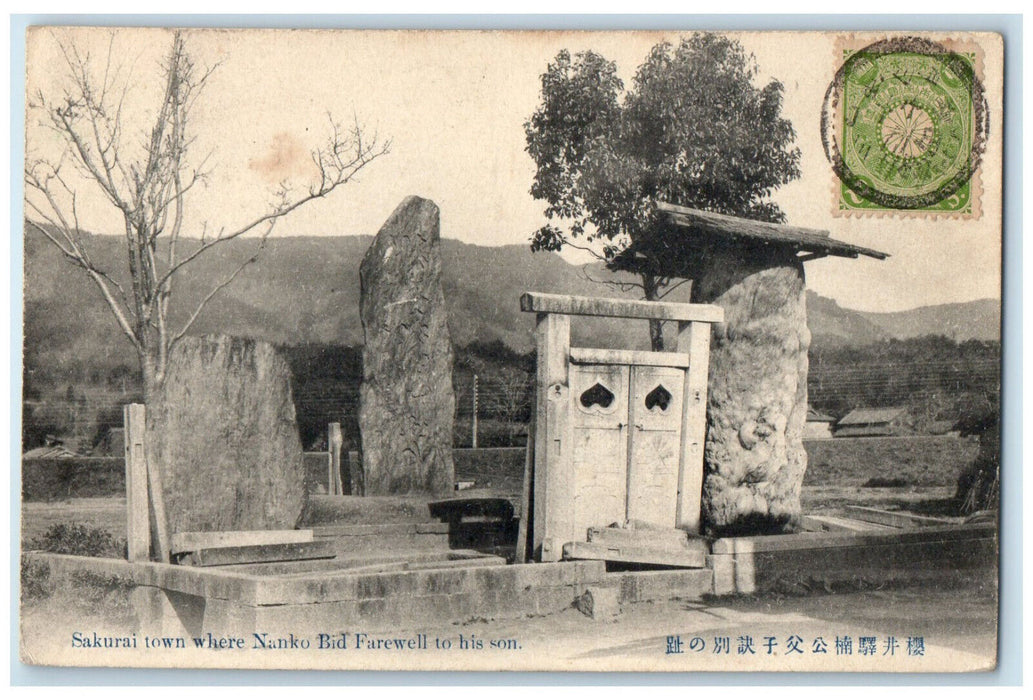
x=335, y=441
x=526, y=497
x=356, y=485
x=160, y=544
x=474, y=426
x=553, y=480
x=694, y=339
x=138, y=529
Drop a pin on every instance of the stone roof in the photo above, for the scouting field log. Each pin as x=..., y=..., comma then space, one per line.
x=804, y=239
x=696, y=229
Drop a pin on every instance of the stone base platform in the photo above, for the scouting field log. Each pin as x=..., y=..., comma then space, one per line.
x=460, y=586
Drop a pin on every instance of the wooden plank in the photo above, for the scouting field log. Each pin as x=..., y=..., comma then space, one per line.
x=692, y=557
x=694, y=339
x=335, y=440
x=526, y=494
x=619, y=308
x=138, y=523
x=262, y=553
x=605, y=356
x=193, y=541
x=894, y=519
x=553, y=477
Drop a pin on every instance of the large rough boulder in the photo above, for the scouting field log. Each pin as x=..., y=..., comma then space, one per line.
x=406, y=403
x=222, y=429
x=757, y=396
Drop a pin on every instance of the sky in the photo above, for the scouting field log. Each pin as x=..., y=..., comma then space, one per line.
x=453, y=105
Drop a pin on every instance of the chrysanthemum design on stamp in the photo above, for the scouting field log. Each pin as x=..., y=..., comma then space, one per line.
x=903, y=125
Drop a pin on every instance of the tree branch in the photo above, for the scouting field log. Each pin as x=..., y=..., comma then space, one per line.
x=219, y=287
x=334, y=172
x=617, y=284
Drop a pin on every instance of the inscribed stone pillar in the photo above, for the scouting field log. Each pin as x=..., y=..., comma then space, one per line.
x=406, y=403
x=757, y=398
x=223, y=431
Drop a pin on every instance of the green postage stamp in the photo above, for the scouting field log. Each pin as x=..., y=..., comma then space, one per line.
x=904, y=126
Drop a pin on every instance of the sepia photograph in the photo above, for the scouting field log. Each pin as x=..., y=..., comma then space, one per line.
x=502, y=350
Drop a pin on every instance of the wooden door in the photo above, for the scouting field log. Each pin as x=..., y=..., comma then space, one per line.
x=654, y=454
x=599, y=414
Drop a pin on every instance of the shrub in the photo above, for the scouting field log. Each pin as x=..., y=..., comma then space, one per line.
x=979, y=485
x=878, y=482
x=35, y=580
x=80, y=539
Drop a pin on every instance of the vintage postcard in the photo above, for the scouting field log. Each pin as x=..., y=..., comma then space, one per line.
x=512, y=350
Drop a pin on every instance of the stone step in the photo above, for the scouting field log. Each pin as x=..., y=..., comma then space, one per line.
x=183, y=542
x=261, y=553
x=365, y=539
x=645, y=537
x=895, y=519
x=692, y=555
x=830, y=523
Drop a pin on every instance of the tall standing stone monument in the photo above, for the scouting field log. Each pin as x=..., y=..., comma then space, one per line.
x=222, y=429
x=754, y=455
x=406, y=403
x=754, y=460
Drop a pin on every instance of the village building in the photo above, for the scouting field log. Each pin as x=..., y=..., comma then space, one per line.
x=818, y=425
x=873, y=422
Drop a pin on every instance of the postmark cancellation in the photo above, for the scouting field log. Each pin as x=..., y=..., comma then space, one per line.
x=905, y=122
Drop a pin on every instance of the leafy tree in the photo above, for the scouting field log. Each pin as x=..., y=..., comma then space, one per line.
x=693, y=130
x=150, y=187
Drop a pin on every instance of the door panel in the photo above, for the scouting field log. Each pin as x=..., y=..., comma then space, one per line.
x=599, y=394
x=656, y=417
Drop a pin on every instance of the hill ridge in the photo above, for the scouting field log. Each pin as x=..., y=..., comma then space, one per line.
x=305, y=289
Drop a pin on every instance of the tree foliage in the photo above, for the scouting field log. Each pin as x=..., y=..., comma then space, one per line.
x=693, y=130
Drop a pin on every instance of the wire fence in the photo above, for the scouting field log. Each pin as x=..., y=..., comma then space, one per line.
x=502, y=403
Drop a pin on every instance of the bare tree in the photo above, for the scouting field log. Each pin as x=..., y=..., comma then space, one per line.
x=149, y=192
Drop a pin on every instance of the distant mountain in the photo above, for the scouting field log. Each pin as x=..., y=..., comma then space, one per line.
x=980, y=319
x=832, y=325
x=306, y=290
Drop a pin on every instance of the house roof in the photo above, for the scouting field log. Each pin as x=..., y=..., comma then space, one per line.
x=804, y=239
x=815, y=416
x=867, y=416
x=50, y=452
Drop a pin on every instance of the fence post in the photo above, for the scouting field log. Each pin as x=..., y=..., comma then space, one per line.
x=474, y=445
x=335, y=440
x=138, y=524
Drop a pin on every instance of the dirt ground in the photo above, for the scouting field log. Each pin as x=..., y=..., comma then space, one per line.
x=108, y=512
